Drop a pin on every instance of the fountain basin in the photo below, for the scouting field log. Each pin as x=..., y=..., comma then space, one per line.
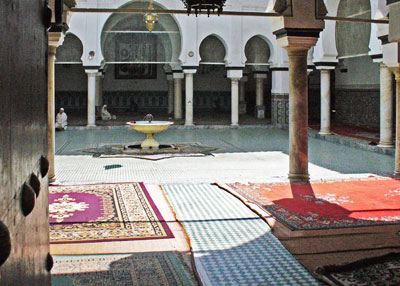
x=149, y=128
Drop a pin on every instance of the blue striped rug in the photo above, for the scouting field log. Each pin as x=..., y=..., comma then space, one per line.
x=231, y=244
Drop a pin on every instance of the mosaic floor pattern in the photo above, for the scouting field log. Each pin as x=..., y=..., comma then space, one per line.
x=230, y=242
x=140, y=269
x=104, y=212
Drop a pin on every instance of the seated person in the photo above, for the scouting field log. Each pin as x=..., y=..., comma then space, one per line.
x=106, y=115
x=61, y=120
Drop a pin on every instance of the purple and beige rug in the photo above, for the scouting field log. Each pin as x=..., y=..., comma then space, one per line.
x=104, y=212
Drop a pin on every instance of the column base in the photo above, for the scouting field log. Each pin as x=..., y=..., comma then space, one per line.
x=385, y=145
x=90, y=126
x=260, y=111
x=242, y=108
x=299, y=177
x=324, y=132
x=396, y=175
x=189, y=124
x=234, y=124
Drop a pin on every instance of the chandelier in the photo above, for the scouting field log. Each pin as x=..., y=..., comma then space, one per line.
x=150, y=18
x=206, y=5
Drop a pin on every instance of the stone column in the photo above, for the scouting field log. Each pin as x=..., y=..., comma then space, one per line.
x=91, y=101
x=260, y=108
x=397, y=167
x=235, y=75
x=170, y=80
x=325, y=101
x=386, y=107
x=99, y=92
x=178, y=95
x=235, y=102
x=242, y=95
x=298, y=113
x=189, y=97
x=51, y=112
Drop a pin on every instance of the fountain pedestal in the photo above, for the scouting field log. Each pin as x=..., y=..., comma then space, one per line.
x=150, y=142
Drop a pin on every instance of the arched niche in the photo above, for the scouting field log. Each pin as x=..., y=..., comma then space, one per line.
x=70, y=51
x=352, y=39
x=212, y=50
x=257, y=51
x=125, y=38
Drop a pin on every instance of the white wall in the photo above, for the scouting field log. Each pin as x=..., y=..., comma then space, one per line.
x=362, y=72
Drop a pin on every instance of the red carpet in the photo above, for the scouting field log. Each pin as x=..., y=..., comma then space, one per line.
x=353, y=132
x=328, y=205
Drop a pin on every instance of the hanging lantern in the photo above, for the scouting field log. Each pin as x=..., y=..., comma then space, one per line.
x=150, y=18
x=205, y=5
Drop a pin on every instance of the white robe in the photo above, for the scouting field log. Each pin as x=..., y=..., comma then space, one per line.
x=61, y=120
x=106, y=115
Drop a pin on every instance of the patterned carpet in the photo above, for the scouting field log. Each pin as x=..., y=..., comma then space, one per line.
x=231, y=244
x=143, y=269
x=352, y=132
x=93, y=213
x=329, y=204
x=377, y=271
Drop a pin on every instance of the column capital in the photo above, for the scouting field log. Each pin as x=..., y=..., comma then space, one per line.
x=262, y=75
x=297, y=39
x=297, y=45
x=189, y=69
x=235, y=73
x=328, y=71
x=178, y=75
x=325, y=65
x=93, y=72
x=396, y=72
x=56, y=39
x=191, y=72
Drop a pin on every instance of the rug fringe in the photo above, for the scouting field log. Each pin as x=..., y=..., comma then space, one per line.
x=258, y=210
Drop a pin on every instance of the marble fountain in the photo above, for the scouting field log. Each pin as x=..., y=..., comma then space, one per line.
x=149, y=127
x=150, y=149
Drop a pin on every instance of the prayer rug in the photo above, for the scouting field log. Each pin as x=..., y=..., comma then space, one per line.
x=353, y=132
x=163, y=268
x=377, y=271
x=329, y=204
x=94, y=213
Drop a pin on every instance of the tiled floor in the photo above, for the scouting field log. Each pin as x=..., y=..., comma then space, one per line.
x=235, y=246
x=244, y=155
x=232, y=243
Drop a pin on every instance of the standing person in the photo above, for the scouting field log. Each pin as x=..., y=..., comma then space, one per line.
x=61, y=120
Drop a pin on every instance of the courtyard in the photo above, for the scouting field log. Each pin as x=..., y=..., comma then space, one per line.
x=198, y=192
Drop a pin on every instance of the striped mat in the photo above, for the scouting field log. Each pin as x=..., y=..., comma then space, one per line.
x=231, y=244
